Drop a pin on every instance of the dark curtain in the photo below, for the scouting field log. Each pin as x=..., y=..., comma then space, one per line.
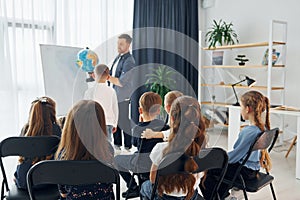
x=165, y=32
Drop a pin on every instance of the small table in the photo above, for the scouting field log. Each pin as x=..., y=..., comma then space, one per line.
x=234, y=129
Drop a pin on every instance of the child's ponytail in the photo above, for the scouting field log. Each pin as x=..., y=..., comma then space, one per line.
x=265, y=159
x=267, y=123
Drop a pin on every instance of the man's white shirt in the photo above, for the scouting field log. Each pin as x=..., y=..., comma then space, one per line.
x=114, y=67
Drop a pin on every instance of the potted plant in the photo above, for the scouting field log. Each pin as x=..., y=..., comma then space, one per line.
x=160, y=81
x=220, y=33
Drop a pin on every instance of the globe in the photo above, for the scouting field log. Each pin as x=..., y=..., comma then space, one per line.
x=87, y=60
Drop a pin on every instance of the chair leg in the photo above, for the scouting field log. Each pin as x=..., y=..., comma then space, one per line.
x=273, y=192
x=140, y=184
x=291, y=146
x=130, y=183
x=245, y=194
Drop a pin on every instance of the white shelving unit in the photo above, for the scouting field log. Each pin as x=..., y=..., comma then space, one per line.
x=267, y=83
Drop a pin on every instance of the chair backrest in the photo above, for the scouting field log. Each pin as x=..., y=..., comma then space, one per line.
x=210, y=158
x=29, y=147
x=265, y=140
x=71, y=172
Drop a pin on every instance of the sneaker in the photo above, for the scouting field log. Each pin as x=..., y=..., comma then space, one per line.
x=117, y=152
x=118, y=148
x=131, y=193
x=127, y=149
x=237, y=193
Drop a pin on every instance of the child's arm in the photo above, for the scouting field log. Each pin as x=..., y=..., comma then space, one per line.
x=148, y=134
x=153, y=171
x=63, y=191
x=136, y=136
x=242, y=144
x=115, y=81
x=115, y=111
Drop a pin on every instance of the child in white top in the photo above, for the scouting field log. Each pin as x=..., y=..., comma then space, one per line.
x=106, y=97
x=187, y=136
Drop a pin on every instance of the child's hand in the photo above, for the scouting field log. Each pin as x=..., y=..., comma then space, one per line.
x=114, y=129
x=148, y=134
x=63, y=196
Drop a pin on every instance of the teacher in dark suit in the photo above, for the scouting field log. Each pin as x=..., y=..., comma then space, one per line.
x=120, y=80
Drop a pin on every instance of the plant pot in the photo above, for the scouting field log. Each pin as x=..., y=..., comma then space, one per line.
x=217, y=57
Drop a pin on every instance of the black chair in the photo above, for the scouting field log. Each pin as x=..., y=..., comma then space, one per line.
x=28, y=147
x=265, y=140
x=71, y=172
x=142, y=177
x=210, y=158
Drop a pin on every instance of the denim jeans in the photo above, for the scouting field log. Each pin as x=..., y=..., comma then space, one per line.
x=146, y=191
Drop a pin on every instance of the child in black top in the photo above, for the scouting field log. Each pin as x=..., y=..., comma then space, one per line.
x=149, y=108
x=169, y=98
x=42, y=121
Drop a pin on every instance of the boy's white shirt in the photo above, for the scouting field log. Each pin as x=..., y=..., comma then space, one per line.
x=166, y=134
x=107, y=98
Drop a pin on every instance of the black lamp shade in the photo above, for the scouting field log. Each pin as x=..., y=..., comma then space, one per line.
x=250, y=81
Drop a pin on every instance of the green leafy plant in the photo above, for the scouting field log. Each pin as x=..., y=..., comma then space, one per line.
x=160, y=81
x=221, y=33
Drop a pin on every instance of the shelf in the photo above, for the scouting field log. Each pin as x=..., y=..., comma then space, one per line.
x=236, y=46
x=242, y=86
x=222, y=77
x=221, y=104
x=242, y=67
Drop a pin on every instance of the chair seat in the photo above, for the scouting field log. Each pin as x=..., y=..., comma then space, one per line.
x=256, y=184
x=49, y=192
x=16, y=194
x=261, y=181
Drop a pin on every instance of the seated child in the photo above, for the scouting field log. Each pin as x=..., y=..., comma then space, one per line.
x=85, y=138
x=169, y=98
x=149, y=109
x=42, y=121
x=253, y=105
x=187, y=136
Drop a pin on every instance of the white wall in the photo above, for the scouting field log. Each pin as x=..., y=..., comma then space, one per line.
x=251, y=21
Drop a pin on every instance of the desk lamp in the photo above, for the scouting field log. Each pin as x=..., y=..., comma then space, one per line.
x=250, y=83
